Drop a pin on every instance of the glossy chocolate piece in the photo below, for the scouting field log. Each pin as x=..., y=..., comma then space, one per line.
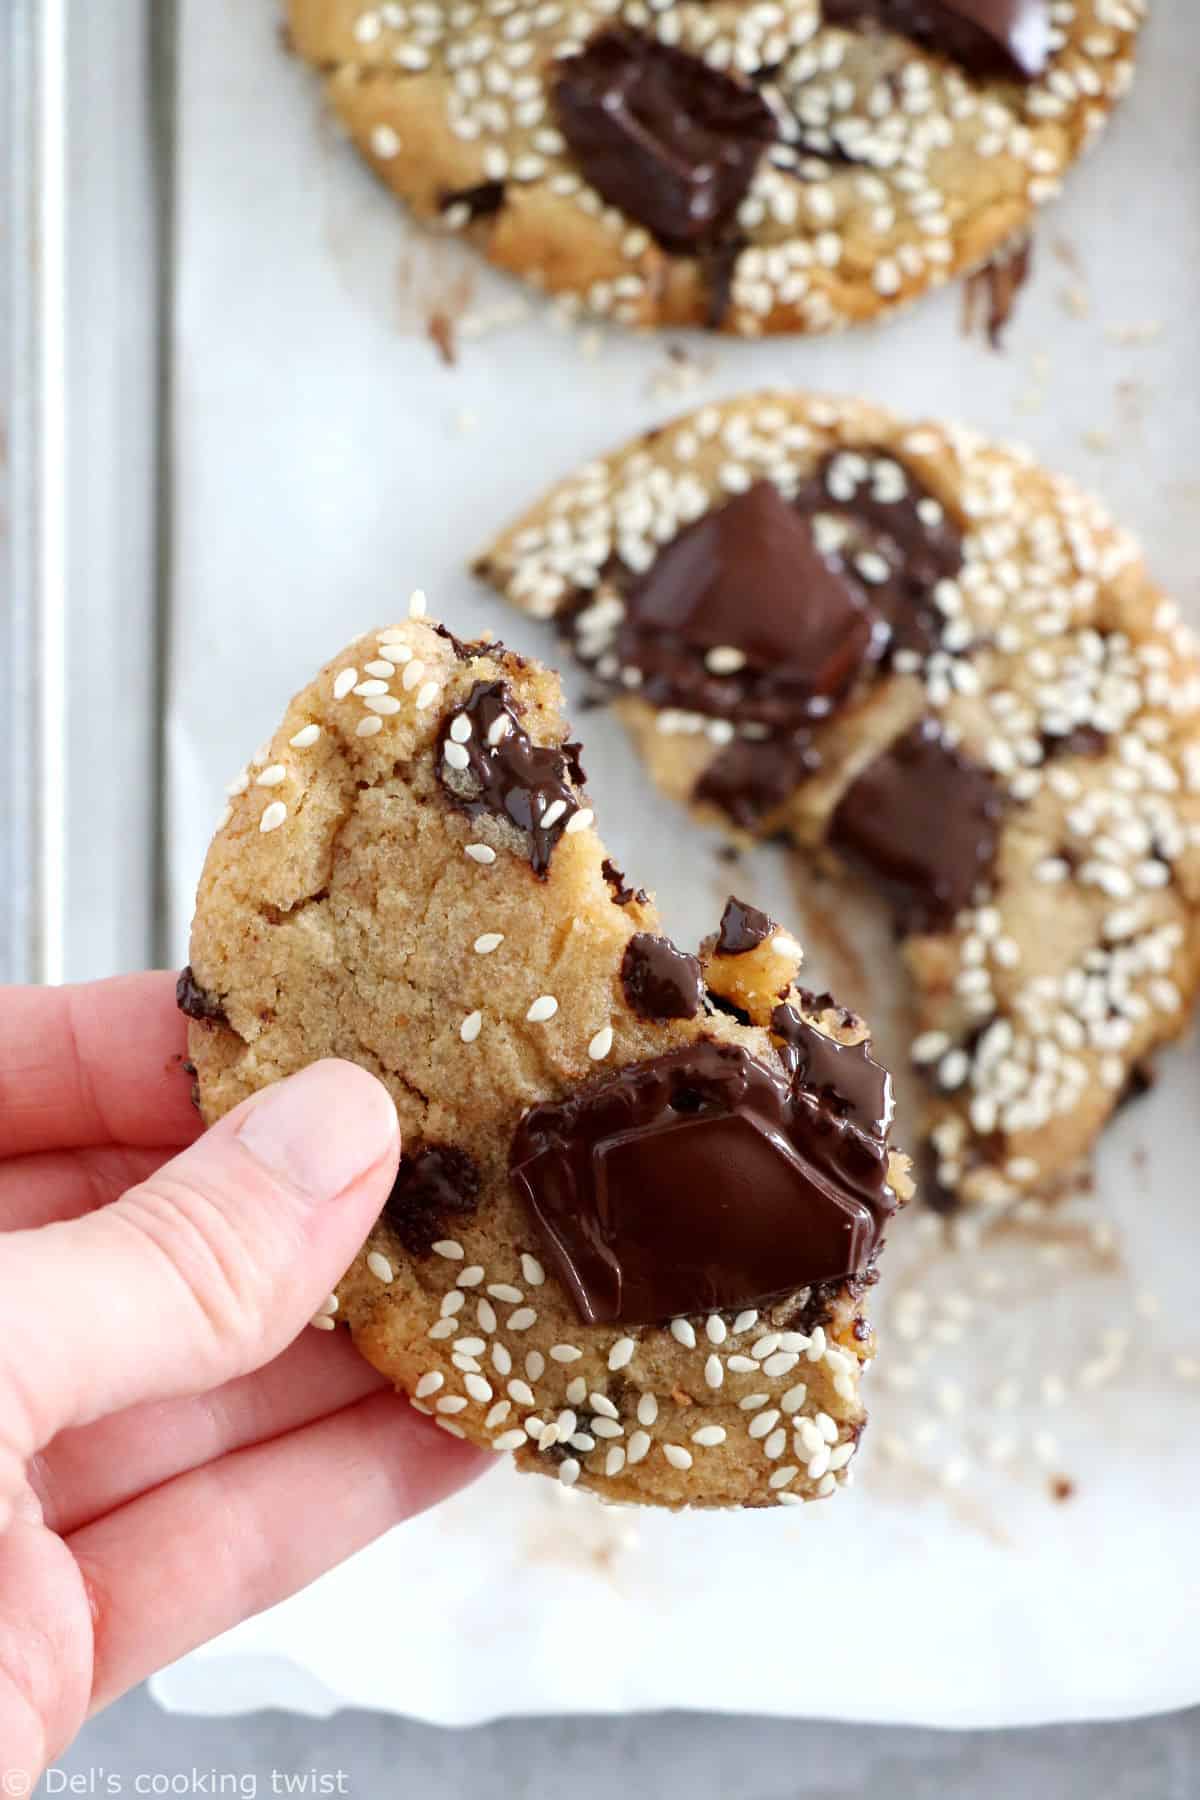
x=509, y=775
x=743, y=928
x=660, y=982
x=697, y=1181
x=1005, y=39
x=622, y=893
x=432, y=1187
x=923, y=823
x=658, y=133
x=846, y=1076
x=196, y=1002
x=748, y=577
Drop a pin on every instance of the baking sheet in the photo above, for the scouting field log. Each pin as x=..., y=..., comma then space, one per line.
x=1018, y=1546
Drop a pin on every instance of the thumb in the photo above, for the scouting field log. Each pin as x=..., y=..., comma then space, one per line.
x=201, y=1273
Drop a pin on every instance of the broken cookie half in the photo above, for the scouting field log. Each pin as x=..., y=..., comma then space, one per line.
x=642, y=1193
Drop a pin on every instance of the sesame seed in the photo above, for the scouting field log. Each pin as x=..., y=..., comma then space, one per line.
x=450, y=1428
x=742, y=1365
x=714, y=1371
x=639, y=1444
x=427, y=695
x=481, y=853
x=621, y=1353
x=305, y=738
x=456, y=756
x=272, y=777
x=478, y=1387
x=579, y=821
x=452, y=1303
x=522, y=1319
x=683, y=1333
x=553, y=814
x=521, y=1392
x=543, y=1008
x=532, y=1269
x=502, y=1290
x=762, y=1423
x=450, y=1403
x=795, y=1397
x=509, y=1440
x=449, y=1248
x=565, y=1353
x=379, y=1266
x=329, y=1305
x=601, y=1044
x=677, y=1456
x=568, y=1471
x=745, y=1321
x=368, y=726
x=576, y=1391
x=779, y=1478
x=470, y=1028
x=417, y=604
x=273, y=816
x=614, y=1462
x=344, y=683
x=322, y=1322
x=470, y=1277
x=714, y=1327
x=647, y=1409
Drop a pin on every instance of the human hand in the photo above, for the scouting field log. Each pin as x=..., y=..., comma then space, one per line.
x=173, y=1458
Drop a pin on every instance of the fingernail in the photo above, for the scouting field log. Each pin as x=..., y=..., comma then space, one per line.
x=322, y=1129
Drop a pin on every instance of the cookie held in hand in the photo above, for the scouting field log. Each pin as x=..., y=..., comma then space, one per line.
x=642, y=1193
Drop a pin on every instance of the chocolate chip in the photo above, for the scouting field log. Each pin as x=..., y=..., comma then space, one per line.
x=1081, y=740
x=660, y=134
x=481, y=201
x=509, y=775
x=622, y=894
x=432, y=1186
x=660, y=982
x=197, y=1002
x=758, y=1188
x=1008, y=39
x=749, y=781
x=923, y=822
x=997, y=285
x=743, y=928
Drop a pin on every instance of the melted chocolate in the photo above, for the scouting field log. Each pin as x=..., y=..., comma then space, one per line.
x=438, y=1183
x=923, y=823
x=660, y=982
x=197, y=1002
x=845, y=1076
x=512, y=777
x=742, y=928
x=998, y=285
x=1009, y=39
x=658, y=133
x=749, y=780
x=1081, y=740
x=621, y=893
x=697, y=1181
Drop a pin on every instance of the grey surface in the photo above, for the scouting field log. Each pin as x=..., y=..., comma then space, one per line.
x=702, y=1757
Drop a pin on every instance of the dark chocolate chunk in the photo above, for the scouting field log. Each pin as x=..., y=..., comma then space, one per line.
x=910, y=542
x=507, y=773
x=697, y=1181
x=845, y=1076
x=658, y=133
x=997, y=285
x=481, y=201
x=923, y=822
x=1081, y=740
x=433, y=1185
x=1008, y=39
x=741, y=617
x=196, y=1002
x=751, y=779
x=660, y=981
x=621, y=893
x=742, y=928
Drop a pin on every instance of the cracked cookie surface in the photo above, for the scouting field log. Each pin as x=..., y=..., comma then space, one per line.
x=641, y=1193
x=929, y=662
x=788, y=166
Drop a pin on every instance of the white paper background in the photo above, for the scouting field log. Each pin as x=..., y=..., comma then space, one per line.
x=325, y=462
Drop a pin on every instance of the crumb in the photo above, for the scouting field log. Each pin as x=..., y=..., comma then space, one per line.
x=1061, y=1488
x=440, y=328
x=1144, y=332
x=1097, y=439
x=1074, y=300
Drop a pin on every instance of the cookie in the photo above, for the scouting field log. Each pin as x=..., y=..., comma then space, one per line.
x=642, y=1193
x=753, y=168
x=941, y=670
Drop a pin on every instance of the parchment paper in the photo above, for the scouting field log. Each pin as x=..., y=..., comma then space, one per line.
x=1020, y=1546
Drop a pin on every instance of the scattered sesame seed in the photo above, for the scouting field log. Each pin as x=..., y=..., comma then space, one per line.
x=344, y=683
x=677, y=1456
x=480, y=853
x=683, y=1333
x=470, y=1028
x=305, y=738
x=621, y=1354
x=273, y=816
x=601, y=1044
x=449, y=1248
x=543, y=1008
x=579, y=821
x=522, y=1319
x=532, y=1269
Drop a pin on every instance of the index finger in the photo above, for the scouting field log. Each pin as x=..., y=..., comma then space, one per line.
x=100, y=1063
